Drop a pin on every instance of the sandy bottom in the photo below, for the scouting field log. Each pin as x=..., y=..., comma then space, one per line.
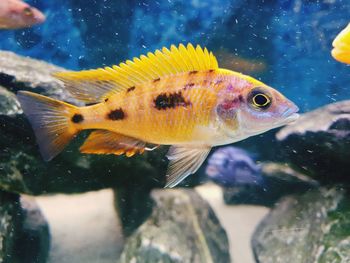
x=85, y=228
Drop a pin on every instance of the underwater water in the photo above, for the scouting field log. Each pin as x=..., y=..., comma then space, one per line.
x=280, y=196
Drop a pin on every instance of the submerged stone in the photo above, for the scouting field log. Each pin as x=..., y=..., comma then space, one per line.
x=182, y=228
x=10, y=224
x=33, y=242
x=279, y=180
x=313, y=227
x=24, y=232
x=318, y=144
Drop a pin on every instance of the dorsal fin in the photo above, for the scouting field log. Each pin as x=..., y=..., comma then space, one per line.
x=95, y=85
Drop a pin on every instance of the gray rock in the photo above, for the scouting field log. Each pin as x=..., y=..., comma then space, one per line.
x=33, y=242
x=278, y=180
x=318, y=144
x=8, y=103
x=181, y=228
x=22, y=169
x=10, y=225
x=133, y=205
x=313, y=227
x=20, y=73
x=24, y=234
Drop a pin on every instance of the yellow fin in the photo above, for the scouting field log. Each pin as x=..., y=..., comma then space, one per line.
x=106, y=142
x=50, y=120
x=95, y=85
x=183, y=162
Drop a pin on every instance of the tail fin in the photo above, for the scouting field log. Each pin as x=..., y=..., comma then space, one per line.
x=50, y=120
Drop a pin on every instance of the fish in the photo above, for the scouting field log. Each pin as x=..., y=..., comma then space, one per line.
x=341, y=46
x=16, y=14
x=232, y=166
x=177, y=96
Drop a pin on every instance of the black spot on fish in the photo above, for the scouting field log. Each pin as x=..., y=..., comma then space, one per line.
x=188, y=85
x=211, y=70
x=115, y=115
x=165, y=101
x=156, y=80
x=130, y=89
x=240, y=97
x=77, y=118
x=106, y=100
x=192, y=72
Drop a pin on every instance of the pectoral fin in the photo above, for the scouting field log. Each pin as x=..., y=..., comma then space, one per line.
x=106, y=142
x=183, y=162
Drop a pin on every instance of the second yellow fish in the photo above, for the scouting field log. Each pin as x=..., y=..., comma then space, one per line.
x=341, y=46
x=177, y=96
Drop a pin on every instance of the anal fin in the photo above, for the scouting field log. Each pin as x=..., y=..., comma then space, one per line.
x=184, y=160
x=107, y=142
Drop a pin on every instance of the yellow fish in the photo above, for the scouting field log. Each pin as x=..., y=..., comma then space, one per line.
x=177, y=96
x=341, y=44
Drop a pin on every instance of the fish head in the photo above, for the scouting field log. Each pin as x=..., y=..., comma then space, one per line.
x=250, y=107
x=22, y=15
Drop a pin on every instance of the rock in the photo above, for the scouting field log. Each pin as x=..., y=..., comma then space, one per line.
x=318, y=144
x=181, y=228
x=10, y=225
x=313, y=227
x=278, y=180
x=133, y=205
x=22, y=169
x=33, y=243
x=8, y=103
x=24, y=233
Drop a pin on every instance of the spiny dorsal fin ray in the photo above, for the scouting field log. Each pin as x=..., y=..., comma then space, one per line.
x=93, y=86
x=184, y=161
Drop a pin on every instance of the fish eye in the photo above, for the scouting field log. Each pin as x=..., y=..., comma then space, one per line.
x=259, y=99
x=28, y=11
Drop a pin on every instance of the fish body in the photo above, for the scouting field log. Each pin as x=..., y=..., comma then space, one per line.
x=15, y=14
x=178, y=109
x=231, y=166
x=177, y=97
x=341, y=46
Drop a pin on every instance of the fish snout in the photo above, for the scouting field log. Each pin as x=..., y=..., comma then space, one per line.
x=290, y=112
x=38, y=16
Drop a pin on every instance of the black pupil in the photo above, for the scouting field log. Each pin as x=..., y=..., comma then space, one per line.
x=260, y=100
x=27, y=11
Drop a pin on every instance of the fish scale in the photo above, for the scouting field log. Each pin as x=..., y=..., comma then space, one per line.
x=170, y=124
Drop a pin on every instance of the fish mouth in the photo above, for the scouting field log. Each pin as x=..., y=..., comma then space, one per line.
x=290, y=114
x=291, y=118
